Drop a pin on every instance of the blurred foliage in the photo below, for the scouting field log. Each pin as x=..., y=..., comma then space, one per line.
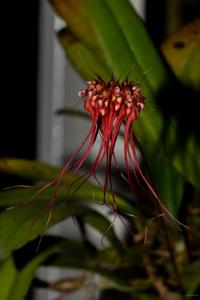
x=182, y=52
x=107, y=37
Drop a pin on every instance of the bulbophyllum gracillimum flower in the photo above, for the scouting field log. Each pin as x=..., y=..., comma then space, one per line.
x=111, y=105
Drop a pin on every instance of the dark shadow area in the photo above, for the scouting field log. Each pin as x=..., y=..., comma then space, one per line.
x=117, y=295
x=175, y=100
x=19, y=82
x=158, y=15
x=181, y=103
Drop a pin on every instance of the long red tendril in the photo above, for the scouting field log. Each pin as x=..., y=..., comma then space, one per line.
x=110, y=105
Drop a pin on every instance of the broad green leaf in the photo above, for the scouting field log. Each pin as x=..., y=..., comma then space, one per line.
x=183, y=149
x=84, y=195
x=112, y=40
x=140, y=43
x=82, y=57
x=20, y=225
x=22, y=196
x=114, y=44
x=166, y=179
x=182, y=52
x=87, y=192
x=34, y=170
x=25, y=223
x=25, y=276
x=8, y=273
x=75, y=15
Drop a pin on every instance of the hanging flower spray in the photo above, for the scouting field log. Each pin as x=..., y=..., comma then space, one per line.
x=111, y=105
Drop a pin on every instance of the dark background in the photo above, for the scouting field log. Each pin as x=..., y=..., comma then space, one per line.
x=19, y=66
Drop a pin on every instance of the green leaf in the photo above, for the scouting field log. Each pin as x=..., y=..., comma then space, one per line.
x=166, y=179
x=25, y=223
x=140, y=43
x=21, y=196
x=75, y=15
x=39, y=171
x=114, y=44
x=100, y=223
x=34, y=170
x=87, y=193
x=28, y=221
x=187, y=160
x=112, y=40
x=20, y=225
x=84, y=59
x=8, y=274
x=25, y=276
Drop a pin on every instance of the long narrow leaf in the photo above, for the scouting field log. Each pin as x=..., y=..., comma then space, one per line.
x=88, y=192
x=8, y=273
x=26, y=223
x=85, y=60
x=139, y=42
x=112, y=40
x=74, y=14
x=28, y=169
x=25, y=276
x=123, y=62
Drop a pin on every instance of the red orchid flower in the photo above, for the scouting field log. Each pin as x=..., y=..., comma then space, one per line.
x=111, y=105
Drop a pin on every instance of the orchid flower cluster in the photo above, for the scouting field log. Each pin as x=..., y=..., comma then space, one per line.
x=111, y=105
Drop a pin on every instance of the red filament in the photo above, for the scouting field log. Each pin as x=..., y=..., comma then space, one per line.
x=111, y=105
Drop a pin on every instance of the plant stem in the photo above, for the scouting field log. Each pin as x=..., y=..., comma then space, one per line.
x=165, y=229
x=171, y=251
x=163, y=291
x=188, y=195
